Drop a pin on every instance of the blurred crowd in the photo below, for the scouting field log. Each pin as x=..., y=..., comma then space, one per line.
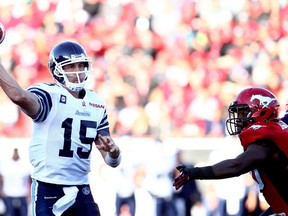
x=165, y=67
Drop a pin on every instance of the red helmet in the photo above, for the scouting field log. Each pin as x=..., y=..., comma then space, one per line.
x=251, y=105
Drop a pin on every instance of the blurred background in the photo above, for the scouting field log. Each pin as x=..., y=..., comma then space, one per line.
x=168, y=70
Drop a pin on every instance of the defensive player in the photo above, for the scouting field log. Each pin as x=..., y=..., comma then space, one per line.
x=67, y=119
x=253, y=116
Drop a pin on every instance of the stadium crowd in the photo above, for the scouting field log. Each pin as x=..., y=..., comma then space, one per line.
x=165, y=67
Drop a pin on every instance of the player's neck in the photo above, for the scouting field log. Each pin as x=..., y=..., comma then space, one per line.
x=75, y=94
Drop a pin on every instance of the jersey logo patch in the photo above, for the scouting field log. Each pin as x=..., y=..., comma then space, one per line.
x=86, y=190
x=63, y=99
x=256, y=127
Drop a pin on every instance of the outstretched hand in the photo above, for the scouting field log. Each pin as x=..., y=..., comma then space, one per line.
x=182, y=179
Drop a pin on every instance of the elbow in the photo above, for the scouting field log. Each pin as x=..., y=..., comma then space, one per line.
x=17, y=97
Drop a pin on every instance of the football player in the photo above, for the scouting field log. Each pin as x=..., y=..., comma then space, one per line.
x=253, y=116
x=67, y=119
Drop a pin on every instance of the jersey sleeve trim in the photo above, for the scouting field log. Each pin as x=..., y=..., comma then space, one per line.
x=45, y=104
x=104, y=122
x=103, y=127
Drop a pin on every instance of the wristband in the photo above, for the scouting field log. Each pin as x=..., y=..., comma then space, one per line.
x=201, y=173
x=113, y=162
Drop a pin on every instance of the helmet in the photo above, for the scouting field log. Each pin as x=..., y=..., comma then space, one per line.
x=66, y=53
x=251, y=105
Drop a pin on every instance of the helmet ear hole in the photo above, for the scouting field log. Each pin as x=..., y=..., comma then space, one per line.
x=86, y=64
x=59, y=79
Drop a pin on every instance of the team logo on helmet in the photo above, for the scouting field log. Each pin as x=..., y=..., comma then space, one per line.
x=263, y=100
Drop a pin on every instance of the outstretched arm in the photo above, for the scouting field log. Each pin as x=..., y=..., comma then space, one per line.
x=243, y=163
x=27, y=101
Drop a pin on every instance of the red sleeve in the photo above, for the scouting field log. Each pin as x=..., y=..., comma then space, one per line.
x=276, y=131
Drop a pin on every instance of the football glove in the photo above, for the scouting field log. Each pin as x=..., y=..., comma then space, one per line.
x=183, y=178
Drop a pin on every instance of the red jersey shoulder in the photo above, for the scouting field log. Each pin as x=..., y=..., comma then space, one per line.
x=276, y=131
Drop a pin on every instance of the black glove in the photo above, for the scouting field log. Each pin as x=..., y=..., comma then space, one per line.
x=183, y=178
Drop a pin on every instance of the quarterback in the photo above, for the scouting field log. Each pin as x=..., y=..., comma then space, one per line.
x=67, y=120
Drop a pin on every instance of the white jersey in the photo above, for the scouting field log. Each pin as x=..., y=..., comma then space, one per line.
x=63, y=133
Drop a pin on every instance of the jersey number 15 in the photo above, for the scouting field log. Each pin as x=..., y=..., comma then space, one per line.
x=67, y=151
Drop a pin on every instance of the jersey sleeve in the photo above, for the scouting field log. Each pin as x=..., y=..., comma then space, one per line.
x=103, y=127
x=275, y=131
x=40, y=90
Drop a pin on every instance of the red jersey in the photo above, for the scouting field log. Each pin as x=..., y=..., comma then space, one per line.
x=272, y=175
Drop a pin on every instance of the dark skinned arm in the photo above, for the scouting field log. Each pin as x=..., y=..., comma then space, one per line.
x=254, y=155
x=243, y=163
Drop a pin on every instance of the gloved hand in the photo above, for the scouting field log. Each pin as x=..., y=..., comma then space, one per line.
x=183, y=178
